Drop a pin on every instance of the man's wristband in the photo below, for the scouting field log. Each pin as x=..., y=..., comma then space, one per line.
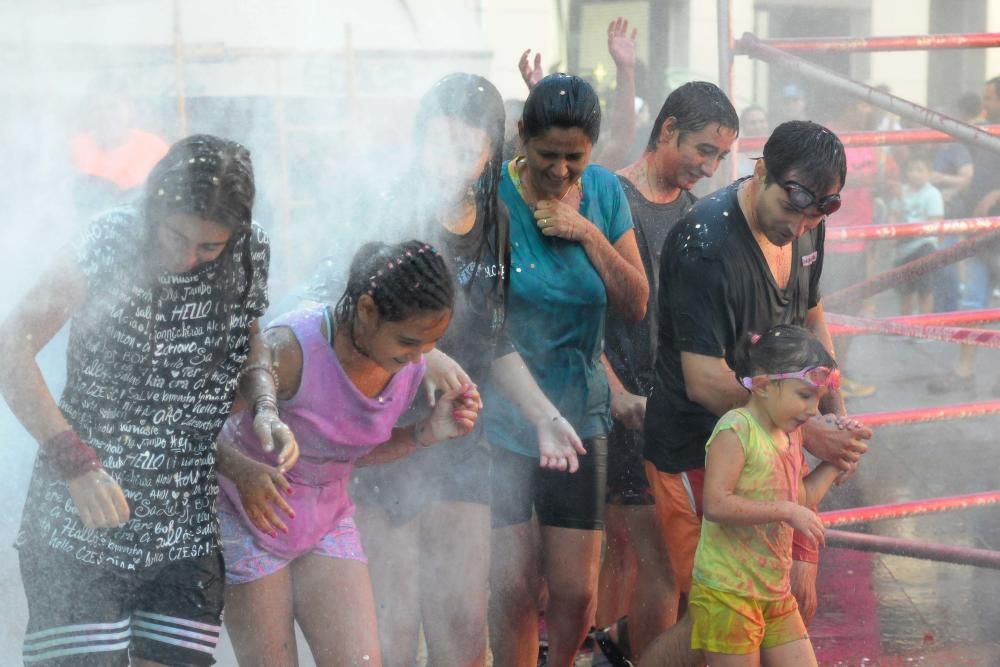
x=70, y=456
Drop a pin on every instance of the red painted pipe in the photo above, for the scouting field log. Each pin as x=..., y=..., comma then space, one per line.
x=966, y=336
x=895, y=546
x=898, y=43
x=869, y=138
x=912, y=270
x=912, y=229
x=909, y=508
x=932, y=414
x=838, y=326
x=834, y=81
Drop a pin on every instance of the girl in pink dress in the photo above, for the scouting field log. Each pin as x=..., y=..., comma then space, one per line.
x=345, y=375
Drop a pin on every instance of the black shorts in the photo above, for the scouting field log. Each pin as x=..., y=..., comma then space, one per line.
x=560, y=499
x=81, y=614
x=627, y=483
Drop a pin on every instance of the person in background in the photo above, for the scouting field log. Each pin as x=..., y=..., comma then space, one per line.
x=119, y=531
x=691, y=137
x=982, y=198
x=951, y=173
x=918, y=201
x=850, y=262
x=616, y=149
x=573, y=254
x=112, y=158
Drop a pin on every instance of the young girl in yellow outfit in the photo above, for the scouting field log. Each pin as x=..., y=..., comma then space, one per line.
x=741, y=602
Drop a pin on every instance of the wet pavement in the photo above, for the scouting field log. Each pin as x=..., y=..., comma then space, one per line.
x=891, y=610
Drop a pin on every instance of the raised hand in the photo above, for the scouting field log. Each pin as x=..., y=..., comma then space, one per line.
x=531, y=74
x=621, y=45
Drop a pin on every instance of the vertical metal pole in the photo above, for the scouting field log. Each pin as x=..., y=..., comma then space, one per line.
x=182, y=121
x=724, y=11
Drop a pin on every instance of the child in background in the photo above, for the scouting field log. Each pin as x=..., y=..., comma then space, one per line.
x=917, y=201
x=741, y=602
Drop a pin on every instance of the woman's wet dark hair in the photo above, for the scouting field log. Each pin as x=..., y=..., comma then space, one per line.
x=693, y=107
x=785, y=348
x=204, y=176
x=813, y=152
x=564, y=101
x=477, y=103
x=402, y=279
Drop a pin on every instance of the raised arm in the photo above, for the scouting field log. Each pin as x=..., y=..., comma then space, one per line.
x=621, y=133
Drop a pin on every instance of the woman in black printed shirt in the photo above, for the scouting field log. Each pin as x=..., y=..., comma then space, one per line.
x=119, y=543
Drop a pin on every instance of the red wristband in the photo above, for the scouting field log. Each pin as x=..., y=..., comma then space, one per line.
x=70, y=456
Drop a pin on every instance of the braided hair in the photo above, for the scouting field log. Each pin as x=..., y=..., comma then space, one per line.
x=402, y=279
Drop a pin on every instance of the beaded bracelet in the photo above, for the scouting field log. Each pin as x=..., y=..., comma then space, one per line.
x=260, y=367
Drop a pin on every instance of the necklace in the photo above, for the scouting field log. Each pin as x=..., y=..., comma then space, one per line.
x=517, y=165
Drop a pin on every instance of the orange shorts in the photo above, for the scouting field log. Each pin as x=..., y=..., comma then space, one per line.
x=678, y=518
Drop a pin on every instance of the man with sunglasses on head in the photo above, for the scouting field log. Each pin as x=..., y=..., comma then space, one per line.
x=742, y=260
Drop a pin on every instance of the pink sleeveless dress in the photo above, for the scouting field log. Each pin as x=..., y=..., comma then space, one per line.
x=334, y=424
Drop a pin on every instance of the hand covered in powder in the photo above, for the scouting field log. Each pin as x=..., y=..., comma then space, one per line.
x=260, y=487
x=99, y=499
x=454, y=416
x=558, y=444
x=443, y=374
x=807, y=522
x=271, y=432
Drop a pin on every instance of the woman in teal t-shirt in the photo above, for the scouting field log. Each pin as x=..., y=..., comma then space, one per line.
x=573, y=251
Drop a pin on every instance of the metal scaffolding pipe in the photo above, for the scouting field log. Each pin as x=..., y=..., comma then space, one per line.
x=897, y=43
x=840, y=325
x=911, y=270
x=883, y=138
x=912, y=229
x=896, y=546
x=933, y=414
x=891, y=103
x=909, y=508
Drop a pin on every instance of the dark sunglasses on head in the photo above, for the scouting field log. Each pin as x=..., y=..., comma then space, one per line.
x=803, y=199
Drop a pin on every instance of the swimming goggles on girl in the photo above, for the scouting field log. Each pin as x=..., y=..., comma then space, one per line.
x=819, y=377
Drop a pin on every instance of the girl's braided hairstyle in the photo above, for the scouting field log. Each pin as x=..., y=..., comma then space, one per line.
x=402, y=279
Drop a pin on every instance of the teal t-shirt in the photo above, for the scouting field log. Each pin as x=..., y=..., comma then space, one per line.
x=556, y=305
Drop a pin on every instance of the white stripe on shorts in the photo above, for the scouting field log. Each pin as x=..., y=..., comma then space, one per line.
x=216, y=629
x=87, y=637
x=157, y=627
x=78, y=650
x=176, y=642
